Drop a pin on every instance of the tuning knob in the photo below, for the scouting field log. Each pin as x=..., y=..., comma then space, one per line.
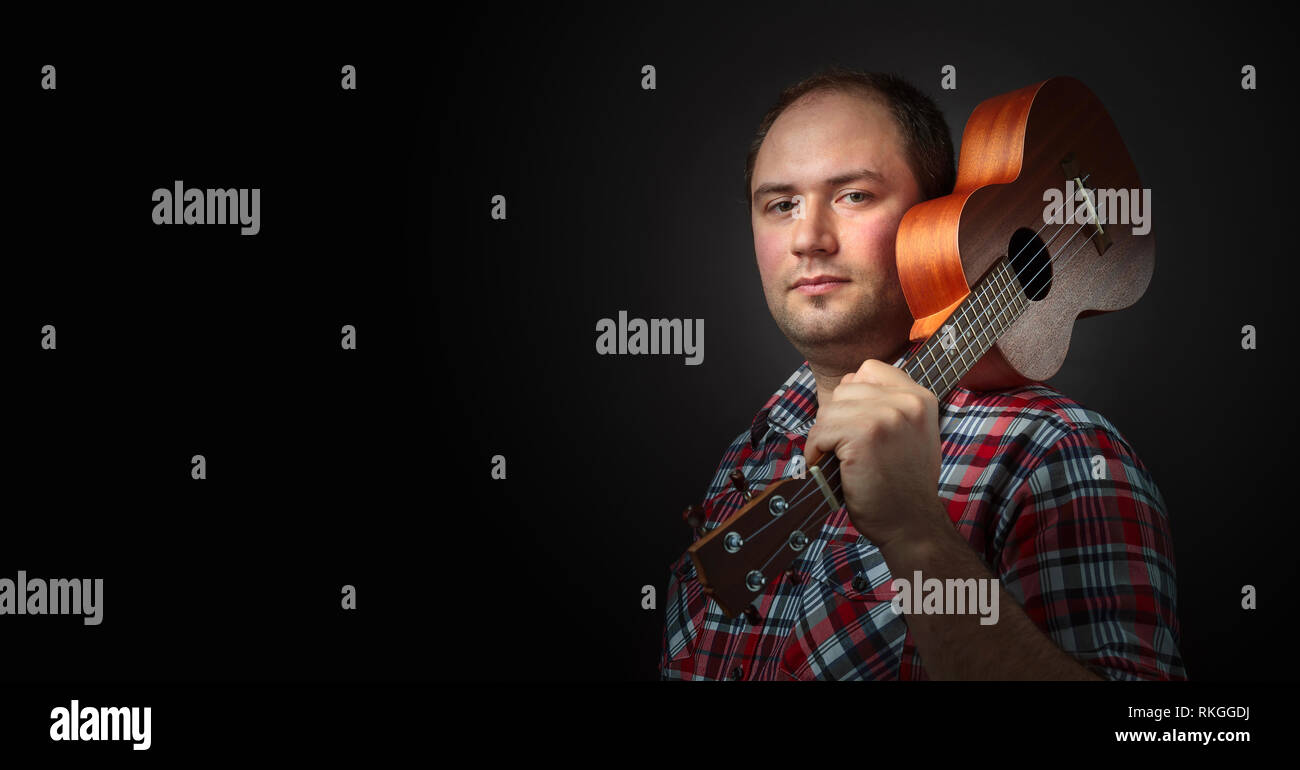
x=693, y=516
x=742, y=486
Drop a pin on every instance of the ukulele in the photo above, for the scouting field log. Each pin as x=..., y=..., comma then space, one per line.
x=994, y=276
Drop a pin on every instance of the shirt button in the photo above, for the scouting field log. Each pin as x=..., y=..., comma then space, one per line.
x=737, y=673
x=860, y=583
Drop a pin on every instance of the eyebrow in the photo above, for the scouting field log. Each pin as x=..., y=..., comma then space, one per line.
x=835, y=181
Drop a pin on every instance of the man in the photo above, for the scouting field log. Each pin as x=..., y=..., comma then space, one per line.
x=1080, y=568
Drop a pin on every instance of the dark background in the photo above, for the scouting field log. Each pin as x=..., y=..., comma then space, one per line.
x=476, y=337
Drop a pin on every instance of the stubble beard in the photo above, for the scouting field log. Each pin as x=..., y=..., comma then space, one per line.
x=843, y=337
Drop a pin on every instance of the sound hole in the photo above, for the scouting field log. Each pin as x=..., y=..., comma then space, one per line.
x=1031, y=263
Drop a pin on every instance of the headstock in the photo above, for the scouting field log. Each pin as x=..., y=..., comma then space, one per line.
x=736, y=560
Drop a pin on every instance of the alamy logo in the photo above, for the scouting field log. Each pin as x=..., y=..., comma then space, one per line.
x=88, y=723
x=194, y=206
x=1077, y=205
x=658, y=336
x=953, y=596
x=56, y=596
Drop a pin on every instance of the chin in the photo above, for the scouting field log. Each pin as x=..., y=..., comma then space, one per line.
x=823, y=336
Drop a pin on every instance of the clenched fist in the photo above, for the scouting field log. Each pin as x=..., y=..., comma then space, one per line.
x=884, y=428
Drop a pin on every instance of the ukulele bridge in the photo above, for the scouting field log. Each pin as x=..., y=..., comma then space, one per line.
x=1073, y=173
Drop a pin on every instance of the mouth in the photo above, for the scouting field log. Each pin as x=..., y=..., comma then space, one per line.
x=818, y=284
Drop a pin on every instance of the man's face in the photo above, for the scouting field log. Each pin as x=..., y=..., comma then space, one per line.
x=826, y=257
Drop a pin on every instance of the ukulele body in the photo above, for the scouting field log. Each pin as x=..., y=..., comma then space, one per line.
x=1014, y=148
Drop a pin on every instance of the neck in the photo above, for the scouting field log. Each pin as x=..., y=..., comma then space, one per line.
x=829, y=366
x=827, y=379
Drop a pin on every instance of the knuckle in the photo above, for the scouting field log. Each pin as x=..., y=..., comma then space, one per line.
x=916, y=404
x=882, y=425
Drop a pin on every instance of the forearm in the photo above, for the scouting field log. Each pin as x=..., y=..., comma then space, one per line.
x=957, y=646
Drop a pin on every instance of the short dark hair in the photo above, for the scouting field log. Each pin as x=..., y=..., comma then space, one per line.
x=920, y=121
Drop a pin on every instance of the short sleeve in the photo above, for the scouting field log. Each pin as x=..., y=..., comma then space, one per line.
x=1089, y=556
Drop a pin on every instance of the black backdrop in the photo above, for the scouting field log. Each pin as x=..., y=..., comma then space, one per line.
x=476, y=337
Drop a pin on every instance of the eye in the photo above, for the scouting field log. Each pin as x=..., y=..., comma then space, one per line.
x=779, y=204
x=861, y=197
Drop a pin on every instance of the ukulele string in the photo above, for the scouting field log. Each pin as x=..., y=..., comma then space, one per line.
x=803, y=524
x=798, y=499
x=824, y=504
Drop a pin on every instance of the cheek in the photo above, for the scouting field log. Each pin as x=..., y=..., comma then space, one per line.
x=770, y=250
x=873, y=243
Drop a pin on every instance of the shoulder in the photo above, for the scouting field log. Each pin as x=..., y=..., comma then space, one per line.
x=1033, y=427
x=1036, y=401
x=1063, y=448
x=1036, y=410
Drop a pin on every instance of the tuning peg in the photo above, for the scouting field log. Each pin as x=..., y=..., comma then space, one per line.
x=693, y=516
x=742, y=486
x=751, y=614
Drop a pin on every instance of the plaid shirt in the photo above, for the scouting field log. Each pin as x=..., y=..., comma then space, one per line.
x=1090, y=560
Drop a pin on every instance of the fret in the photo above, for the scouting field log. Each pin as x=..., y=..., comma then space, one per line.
x=935, y=366
x=1017, y=299
x=915, y=365
x=978, y=313
x=985, y=307
x=930, y=369
x=1016, y=296
x=990, y=292
x=1000, y=277
x=943, y=375
x=1008, y=294
x=1007, y=290
x=961, y=348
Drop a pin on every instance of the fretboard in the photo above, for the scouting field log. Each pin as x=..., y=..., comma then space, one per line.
x=969, y=332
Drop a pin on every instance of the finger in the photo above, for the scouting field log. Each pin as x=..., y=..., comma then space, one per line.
x=881, y=373
x=821, y=440
x=858, y=390
x=843, y=380
x=845, y=427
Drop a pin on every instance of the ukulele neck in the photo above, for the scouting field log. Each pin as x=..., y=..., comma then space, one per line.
x=970, y=331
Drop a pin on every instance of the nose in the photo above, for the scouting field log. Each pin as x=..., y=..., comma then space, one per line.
x=812, y=234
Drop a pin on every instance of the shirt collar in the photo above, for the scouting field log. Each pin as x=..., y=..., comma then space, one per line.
x=793, y=407
x=790, y=409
